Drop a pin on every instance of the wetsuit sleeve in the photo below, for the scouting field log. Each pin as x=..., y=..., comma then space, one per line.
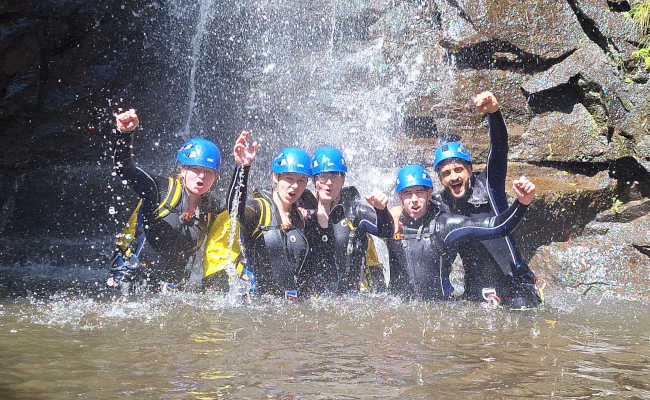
x=497, y=163
x=139, y=180
x=247, y=212
x=453, y=228
x=374, y=221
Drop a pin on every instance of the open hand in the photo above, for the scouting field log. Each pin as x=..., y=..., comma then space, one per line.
x=243, y=152
x=127, y=121
x=486, y=102
x=378, y=199
x=524, y=189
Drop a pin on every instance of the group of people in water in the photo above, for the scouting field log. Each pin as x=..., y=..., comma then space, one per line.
x=293, y=241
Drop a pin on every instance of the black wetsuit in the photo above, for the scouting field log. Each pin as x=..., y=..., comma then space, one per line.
x=419, y=266
x=494, y=263
x=175, y=238
x=273, y=252
x=337, y=259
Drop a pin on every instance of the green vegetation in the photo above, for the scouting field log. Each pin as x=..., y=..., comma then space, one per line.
x=616, y=205
x=641, y=19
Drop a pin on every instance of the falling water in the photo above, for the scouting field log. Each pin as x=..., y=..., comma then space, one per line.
x=333, y=29
x=237, y=287
x=206, y=14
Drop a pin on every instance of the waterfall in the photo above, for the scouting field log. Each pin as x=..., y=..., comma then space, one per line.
x=206, y=14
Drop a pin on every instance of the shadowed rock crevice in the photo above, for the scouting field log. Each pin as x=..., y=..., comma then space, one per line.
x=618, y=5
x=628, y=172
x=560, y=98
x=645, y=250
x=591, y=29
x=461, y=12
x=503, y=55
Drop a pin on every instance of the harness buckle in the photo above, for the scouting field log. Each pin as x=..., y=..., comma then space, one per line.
x=491, y=297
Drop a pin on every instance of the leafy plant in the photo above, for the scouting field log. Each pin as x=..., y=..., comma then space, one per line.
x=641, y=20
x=616, y=205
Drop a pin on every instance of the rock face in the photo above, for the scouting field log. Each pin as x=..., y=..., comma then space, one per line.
x=386, y=81
x=610, y=259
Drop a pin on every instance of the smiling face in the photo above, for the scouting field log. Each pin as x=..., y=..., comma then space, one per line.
x=289, y=186
x=415, y=200
x=328, y=186
x=454, y=176
x=198, y=180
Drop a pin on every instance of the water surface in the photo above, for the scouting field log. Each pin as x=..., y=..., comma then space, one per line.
x=203, y=346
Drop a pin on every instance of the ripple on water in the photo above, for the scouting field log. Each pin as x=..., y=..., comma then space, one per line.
x=193, y=345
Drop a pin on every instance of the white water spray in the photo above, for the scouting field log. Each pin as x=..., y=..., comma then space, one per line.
x=206, y=14
x=237, y=288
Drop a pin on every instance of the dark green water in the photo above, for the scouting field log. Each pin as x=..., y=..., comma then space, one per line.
x=201, y=346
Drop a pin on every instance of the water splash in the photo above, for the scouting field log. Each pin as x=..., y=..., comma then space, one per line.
x=237, y=288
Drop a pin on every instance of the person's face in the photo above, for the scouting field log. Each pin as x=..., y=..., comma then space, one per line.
x=454, y=176
x=289, y=186
x=415, y=200
x=328, y=185
x=198, y=180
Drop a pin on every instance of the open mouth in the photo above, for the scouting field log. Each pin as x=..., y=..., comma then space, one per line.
x=457, y=186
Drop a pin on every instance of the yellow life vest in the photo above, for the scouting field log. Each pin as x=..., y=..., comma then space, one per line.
x=131, y=232
x=373, y=270
x=218, y=252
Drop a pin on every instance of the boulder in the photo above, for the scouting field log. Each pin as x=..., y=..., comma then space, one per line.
x=565, y=137
x=609, y=26
x=613, y=260
x=547, y=30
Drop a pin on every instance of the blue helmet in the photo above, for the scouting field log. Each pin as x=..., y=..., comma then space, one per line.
x=412, y=175
x=451, y=150
x=200, y=152
x=328, y=159
x=291, y=159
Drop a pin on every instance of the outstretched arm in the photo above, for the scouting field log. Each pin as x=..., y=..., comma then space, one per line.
x=238, y=192
x=139, y=180
x=453, y=228
x=497, y=163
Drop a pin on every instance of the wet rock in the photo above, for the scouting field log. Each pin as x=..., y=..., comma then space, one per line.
x=612, y=31
x=565, y=137
x=588, y=66
x=625, y=212
x=612, y=261
x=632, y=133
x=540, y=28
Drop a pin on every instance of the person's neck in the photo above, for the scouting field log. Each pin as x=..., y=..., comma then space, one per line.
x=192, y=202
x=324, y=210
x=284, y=208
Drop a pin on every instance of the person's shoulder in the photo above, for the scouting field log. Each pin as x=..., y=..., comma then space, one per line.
x=307, y=200
x=350, y=194
x=211, y=201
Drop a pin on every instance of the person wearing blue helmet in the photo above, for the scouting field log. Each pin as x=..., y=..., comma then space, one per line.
x=172, y=216
x=424, y=238
x=274, y=246
x=342, y=258
x=493, y=265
